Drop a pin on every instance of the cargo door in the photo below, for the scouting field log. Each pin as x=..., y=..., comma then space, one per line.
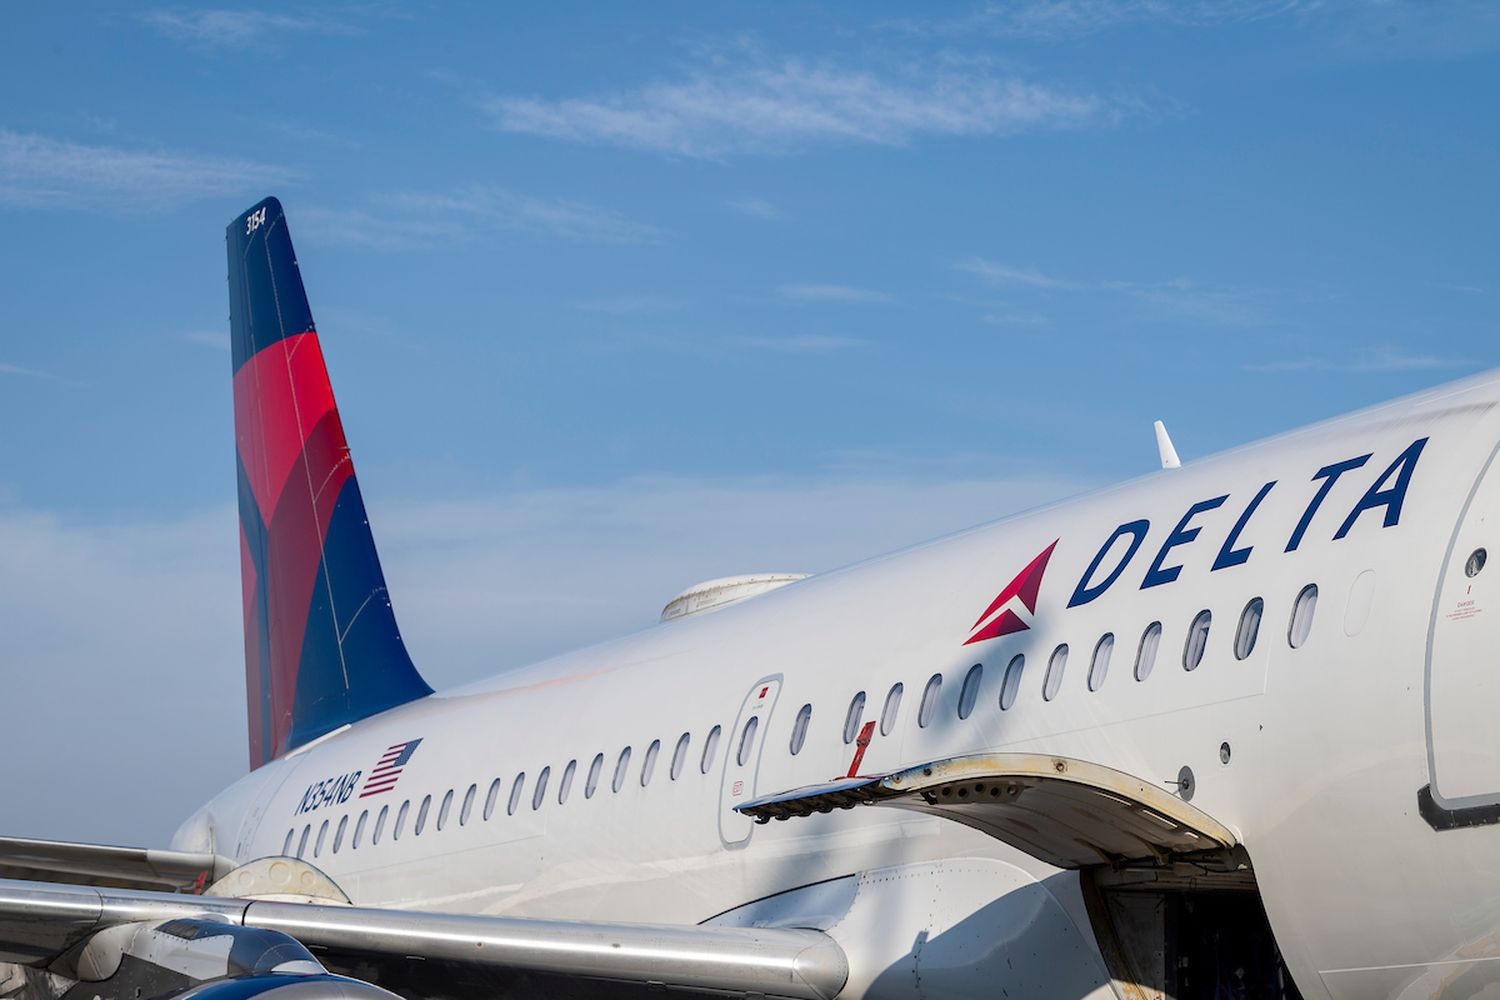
x=1067, y=812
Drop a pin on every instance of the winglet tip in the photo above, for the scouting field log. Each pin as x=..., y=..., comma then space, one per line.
x=1164, y=447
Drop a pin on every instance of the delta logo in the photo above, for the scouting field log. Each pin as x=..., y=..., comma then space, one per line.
x=1014, y=607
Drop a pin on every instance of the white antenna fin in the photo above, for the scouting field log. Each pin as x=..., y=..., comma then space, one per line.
x=1169, y=459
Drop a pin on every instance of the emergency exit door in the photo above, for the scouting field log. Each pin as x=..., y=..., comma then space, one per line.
x=742, y=759
x=1463, y=669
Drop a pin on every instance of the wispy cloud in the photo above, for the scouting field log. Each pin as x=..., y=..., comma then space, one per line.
x=831, y=293
x=9, y=369
x=1178, y=296
x=42, y=172
x=1196, y=303
x=1413, y=29
x=1373, y=361
x=237, y=29
x=723, y=348
x=756, y=208
x=559, y=217
x=626, y=305
x=415, y=220
x=1366, y=29
x=1056, y=20
x=1005, y=274
x=1013, y=318
x=1454, y=287
x=777, y=107
x=803, y=343
x=304, y=134
x=380, y=229
x=217, y=339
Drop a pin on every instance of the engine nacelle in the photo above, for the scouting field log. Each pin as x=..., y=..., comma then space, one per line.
x=204, y=957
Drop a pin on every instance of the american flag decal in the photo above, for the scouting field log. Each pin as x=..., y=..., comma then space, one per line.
x=388, y=769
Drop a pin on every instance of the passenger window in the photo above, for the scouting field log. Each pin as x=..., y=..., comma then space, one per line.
x=969, y=693
x=1197, y=641
x=380, y=824
x=591, y=785
x=540, y=795
x=799, y=729
x=359, y=829
x=286, y=848
x=322, y=838
x=401, y=819
x=445, y=809
x=621, y=766
x=891, y=710
x=490, y=798
x=1099, y=666
x=1249, y=630
x=338, y=836
x=1011, y=683
x=422, y=816
x=710, y=749
x=852, y=719
x=747, y=739
x=679, y=755
x=566, y=784
x=929, y=700
x=1052, y=683
x=648, y=766
x=1145, y=656
x=1302, y=616
x=468, y=809
x=515, y=794
x=302, y=843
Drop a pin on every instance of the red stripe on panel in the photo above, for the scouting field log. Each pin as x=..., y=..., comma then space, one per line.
x=294, y=553
x=279, y=395
x=327, y=468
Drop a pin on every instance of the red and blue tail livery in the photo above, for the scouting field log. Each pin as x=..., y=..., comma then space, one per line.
x=321, y=644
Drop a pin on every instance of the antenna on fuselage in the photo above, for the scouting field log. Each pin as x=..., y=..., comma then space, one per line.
x=1169, y=459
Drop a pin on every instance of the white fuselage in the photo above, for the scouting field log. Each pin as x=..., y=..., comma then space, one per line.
x=1327, y=744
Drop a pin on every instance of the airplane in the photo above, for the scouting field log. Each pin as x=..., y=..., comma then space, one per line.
x=1227, y=730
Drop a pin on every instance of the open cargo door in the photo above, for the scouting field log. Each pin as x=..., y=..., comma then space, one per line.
x=1066, y=812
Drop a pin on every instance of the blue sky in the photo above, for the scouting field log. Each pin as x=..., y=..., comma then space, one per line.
x=619, y=298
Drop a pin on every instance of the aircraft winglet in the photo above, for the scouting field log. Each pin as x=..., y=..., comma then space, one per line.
x=1169, y=459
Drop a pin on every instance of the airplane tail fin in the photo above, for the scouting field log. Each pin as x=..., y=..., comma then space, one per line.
x=321, y=644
